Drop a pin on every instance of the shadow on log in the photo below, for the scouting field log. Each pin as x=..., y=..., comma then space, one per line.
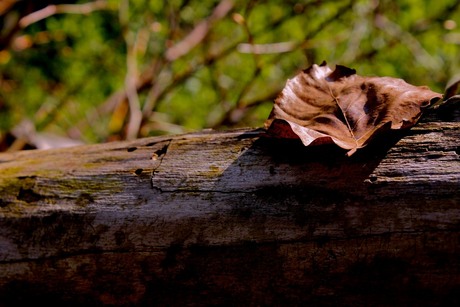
x=233, y=218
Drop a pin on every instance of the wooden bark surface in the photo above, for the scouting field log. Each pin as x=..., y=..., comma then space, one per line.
x=232, y=217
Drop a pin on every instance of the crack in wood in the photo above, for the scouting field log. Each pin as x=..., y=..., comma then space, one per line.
x=159, y=154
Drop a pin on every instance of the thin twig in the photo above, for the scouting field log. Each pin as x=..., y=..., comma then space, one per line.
x=53, y=9
x=131, y=78
x=199, y=32
x=135, y=117
x=281, y=47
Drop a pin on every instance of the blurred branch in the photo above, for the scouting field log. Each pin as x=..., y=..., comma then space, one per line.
x=420, y=54
x=157, y=92
x=237, y=113
x=53, y=9
x=360, y=29
x=199, y=32
x=251, y=40
x=135, y=117
x=135, y=114
x=196, y=36
x=281, y=47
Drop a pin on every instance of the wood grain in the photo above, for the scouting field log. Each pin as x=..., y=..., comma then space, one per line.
x=234, y=217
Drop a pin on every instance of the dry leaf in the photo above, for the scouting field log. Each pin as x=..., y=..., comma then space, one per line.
x=320, y=106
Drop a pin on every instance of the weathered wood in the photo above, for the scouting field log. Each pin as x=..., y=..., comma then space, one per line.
x=236, y=218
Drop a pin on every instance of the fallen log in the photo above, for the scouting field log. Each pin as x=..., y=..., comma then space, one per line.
x=233, y=218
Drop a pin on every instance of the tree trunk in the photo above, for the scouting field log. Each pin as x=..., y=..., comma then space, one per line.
x=234, y=218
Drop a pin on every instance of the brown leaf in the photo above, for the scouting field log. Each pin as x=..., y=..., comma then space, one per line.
x=320, y=106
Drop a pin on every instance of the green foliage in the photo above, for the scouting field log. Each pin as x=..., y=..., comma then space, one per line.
x=69, y=73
